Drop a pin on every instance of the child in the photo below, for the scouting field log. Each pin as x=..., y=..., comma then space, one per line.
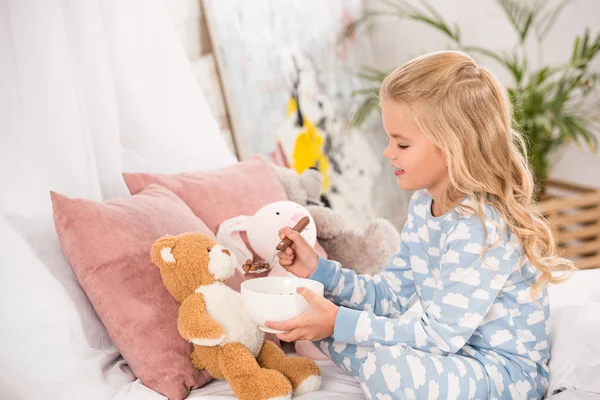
x=461, y=311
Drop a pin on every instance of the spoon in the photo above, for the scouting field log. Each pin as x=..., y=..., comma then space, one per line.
x=284, y=244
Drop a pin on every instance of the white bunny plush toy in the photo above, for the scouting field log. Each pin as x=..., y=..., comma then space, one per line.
x=262, y=232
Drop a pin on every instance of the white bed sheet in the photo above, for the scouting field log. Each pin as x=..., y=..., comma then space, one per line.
x=337, y=384
x=575, y=395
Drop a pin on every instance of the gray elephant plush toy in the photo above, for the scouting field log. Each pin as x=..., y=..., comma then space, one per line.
x=365, y=252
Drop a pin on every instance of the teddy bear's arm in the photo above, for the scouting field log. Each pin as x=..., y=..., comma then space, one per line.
x=196, y=325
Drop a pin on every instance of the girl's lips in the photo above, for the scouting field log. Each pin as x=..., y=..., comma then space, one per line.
x=398, y=171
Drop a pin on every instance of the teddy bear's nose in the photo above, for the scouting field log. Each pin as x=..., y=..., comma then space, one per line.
x=226, y=252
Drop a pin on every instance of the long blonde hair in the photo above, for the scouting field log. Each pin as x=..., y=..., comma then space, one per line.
x=463, y=110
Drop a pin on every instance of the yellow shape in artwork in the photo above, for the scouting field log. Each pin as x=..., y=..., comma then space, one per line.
x=308, y=150
x=292, y=106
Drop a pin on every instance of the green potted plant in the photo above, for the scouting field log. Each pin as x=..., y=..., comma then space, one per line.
x=552, y=105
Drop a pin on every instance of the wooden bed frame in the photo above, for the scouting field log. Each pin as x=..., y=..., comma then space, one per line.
x=574, y=213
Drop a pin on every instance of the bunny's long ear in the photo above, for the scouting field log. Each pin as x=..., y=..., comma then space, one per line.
x=229, y=236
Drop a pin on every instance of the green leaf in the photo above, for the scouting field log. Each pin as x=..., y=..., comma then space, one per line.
x=541, y=76
x=515, y=65
x=374, y=71
x=371, y=74
x=546, y=21
x=364, y=111
x=586, y=39
x=432, y=10
x=439, y=25
x=367, y=91
x=548, y=104
x=584, y=50
x=398, y=6
x=519, y=15
x=575, y=55
x=404, y=10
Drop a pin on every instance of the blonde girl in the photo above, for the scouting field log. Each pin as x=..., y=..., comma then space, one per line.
x=461, y=311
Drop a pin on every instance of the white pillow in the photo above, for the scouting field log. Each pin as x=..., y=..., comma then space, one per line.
x=575, y=348
x=580, y=288
x=575, y=329
x=53, y=344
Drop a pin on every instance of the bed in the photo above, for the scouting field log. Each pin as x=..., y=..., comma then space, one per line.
x=94, y=88
x=575, y=364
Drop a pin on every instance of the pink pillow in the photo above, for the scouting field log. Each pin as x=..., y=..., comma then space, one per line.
x=108, y=245
x=217, y=195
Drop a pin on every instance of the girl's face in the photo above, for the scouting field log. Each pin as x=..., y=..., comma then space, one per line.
x=417, y=163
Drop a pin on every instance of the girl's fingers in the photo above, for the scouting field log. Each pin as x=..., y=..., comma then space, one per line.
x=292, y=335
x=286, y=258
x=285, y=263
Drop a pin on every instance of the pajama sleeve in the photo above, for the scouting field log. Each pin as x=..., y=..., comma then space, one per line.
x=465, y=292
x=386, y=293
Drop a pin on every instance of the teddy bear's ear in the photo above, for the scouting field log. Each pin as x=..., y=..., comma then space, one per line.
x=162, y=251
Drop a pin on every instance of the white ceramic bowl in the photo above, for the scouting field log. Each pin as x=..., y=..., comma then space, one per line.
x=275, y=299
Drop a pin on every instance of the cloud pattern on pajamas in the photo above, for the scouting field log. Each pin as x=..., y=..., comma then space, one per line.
x=440, y=317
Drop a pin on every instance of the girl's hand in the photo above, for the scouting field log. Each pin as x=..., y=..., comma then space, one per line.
x=299, y=258
x=316, y=323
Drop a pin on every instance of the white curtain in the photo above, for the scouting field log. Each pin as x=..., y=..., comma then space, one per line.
x=88, y=89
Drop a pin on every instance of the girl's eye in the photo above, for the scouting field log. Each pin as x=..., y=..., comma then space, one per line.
x=402, y=147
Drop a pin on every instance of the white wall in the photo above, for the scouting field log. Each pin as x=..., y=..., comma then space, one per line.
x=483, y=23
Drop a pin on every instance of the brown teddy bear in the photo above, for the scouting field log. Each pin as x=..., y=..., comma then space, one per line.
x=226, y=342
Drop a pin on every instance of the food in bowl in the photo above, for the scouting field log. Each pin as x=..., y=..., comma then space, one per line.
x=274, y=298
x=256, y=267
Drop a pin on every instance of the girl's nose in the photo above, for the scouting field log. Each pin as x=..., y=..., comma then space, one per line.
x=386, y=152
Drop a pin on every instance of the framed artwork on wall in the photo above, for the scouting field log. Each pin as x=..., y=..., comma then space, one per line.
x=288, y=75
